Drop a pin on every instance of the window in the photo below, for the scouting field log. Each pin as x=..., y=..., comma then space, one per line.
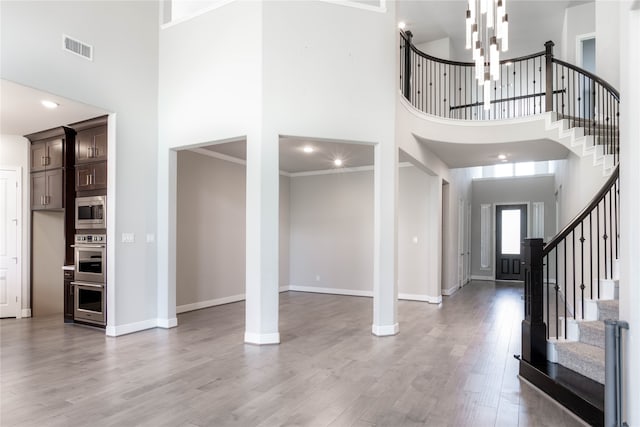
x=524, y=169
x=503, y=170
x=510, y=232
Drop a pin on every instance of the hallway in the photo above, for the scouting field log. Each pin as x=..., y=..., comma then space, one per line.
x=450, y=365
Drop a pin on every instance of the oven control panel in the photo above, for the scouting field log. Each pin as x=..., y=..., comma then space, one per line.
x=91, y=238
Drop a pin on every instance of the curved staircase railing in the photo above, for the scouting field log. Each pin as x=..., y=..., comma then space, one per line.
x=528, y=85
x=564, y=278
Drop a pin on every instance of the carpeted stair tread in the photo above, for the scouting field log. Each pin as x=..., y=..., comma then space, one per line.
x=585, y=359
x=608, y=309
x=592, y=332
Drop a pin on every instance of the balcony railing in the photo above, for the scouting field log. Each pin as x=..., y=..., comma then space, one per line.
x=527, y=86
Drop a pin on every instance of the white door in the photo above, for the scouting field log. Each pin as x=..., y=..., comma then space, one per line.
x=9, y=285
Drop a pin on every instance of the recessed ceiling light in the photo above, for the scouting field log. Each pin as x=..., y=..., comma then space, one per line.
x=502, y=156
x=337, y=162
x=49, y=104
x=402, y=25
x=308, y=149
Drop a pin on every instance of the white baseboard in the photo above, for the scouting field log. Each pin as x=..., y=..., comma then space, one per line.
x=450, y=291
x=420, y=297
x=209, y=303
x=261, y=339
x=385, y=330
x=217, y=301
x=129, y=328
x=167, y=323
x=334, y=291
x=26, y=312
x=482, y=278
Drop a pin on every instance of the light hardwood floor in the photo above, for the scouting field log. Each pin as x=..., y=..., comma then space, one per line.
x=450, y=366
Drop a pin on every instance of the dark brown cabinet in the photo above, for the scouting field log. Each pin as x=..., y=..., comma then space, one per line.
x=91, y=176
x=91, y=145
x=69, y=290
x=47, y=155
x=46, y=189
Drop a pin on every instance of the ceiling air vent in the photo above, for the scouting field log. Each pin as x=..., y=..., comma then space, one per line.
x=77, y=47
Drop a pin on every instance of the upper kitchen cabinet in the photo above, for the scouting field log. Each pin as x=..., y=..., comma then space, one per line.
x=51, y=161
x=47, y=154
x=91, y=140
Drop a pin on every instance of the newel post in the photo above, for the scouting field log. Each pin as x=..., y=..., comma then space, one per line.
x=548, y=54
x=406, y=90
x=534, y=330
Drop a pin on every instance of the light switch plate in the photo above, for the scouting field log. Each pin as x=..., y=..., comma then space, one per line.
x=128, y=238
x=151, y=237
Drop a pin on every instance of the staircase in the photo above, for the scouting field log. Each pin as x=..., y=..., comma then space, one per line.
x=582, y=350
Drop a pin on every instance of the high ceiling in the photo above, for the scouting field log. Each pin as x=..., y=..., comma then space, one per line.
x=531, y=23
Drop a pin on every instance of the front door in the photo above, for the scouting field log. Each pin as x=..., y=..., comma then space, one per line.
x=511, y=229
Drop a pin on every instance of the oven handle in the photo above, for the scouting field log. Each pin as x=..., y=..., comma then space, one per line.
x=87, y=246
x=90, y=285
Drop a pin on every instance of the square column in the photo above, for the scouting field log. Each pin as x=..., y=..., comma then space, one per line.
x=385, y=263
x=262, y=289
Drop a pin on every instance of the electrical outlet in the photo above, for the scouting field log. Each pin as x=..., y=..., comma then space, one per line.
x=151, y=238
x=128, y=238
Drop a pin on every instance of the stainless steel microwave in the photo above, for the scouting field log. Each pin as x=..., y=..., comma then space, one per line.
x=91, y=212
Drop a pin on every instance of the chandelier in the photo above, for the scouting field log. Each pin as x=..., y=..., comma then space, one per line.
x=487, y=34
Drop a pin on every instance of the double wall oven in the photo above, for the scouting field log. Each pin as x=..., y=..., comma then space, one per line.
x=90, y=278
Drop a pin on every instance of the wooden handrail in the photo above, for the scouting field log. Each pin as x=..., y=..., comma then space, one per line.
x=593, y=77
x=583, y=214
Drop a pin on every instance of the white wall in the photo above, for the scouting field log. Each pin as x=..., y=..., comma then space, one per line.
x=630, y=205
x=607, y=27
x=14, y=152
x=211, y=231
x=440, y=48
x=122, y=78
x=331, y=232
x=578, y=20
x=577, y=180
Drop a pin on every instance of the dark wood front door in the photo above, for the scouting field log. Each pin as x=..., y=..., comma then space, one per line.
x=511, y=229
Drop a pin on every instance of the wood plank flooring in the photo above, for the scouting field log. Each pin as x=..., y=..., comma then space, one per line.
x=451, y=365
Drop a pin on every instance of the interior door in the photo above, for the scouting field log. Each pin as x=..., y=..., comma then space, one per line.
x=511, y=229
x=9, y=285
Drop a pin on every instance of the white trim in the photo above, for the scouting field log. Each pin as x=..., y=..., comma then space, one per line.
x=468, y=123
x=209, y=303
x=333, y=291
x=332, y=171
x=17, y=170
x=112, y=284
x=452, y=290
x=385, y=330
x=261, y=339
x=129, y=328
x=167, y=323
x=380, y=9
x=420, y=297
x=483, y=278
x=26, y=312
x=217, y=301
x=220, y=156
x=493, y=178
x=217, y=5
x=579, y=39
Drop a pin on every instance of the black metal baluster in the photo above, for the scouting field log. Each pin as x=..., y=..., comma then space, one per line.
x=598, y=248
x=573, y=267
x=590, y=255
x=557, y=289
x=605, y=237
x=582, y=266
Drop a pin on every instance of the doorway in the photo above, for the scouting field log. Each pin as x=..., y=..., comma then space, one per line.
x=511, y=229
x=10, y=257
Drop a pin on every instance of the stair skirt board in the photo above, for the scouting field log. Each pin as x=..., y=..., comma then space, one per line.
x=579, y=394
